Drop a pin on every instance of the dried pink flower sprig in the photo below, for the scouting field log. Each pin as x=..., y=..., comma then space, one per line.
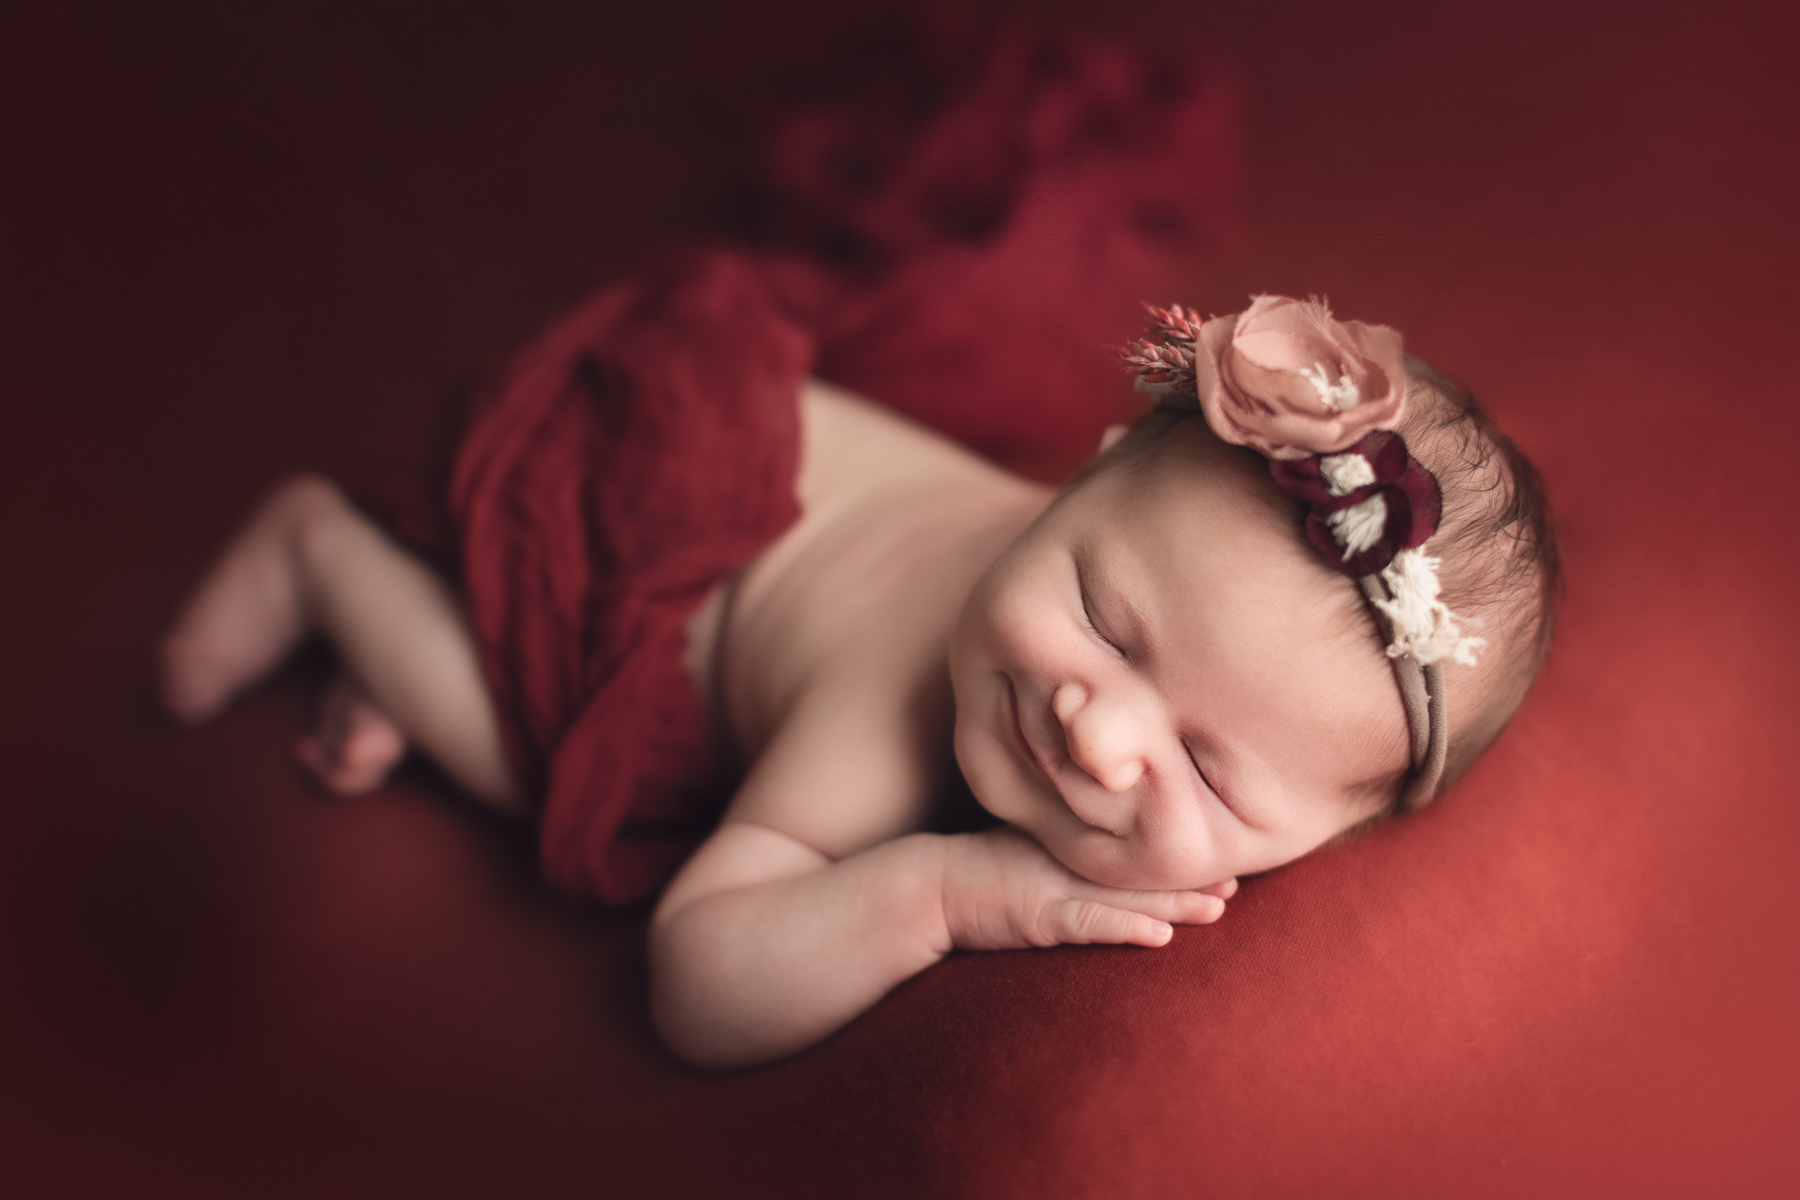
x=1176, y=323
x=1168, y=366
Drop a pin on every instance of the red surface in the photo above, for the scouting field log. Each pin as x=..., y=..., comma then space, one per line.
x=236, y=244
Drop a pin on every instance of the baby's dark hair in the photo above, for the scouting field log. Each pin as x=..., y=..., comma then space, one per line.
x=1501, y=569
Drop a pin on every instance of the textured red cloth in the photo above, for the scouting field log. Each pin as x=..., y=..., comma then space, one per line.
x=238, y=237
x=637, y=454
x=960, y=260
x=983, y=216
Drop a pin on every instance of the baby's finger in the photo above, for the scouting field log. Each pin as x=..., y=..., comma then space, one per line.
x=1223, y=891
x=1079, y=922
x=1181, y=908
x=1194, y=908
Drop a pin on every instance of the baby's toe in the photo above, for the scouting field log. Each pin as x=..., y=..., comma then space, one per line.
x=372, y=748
x=310, y=753
x=338, y=772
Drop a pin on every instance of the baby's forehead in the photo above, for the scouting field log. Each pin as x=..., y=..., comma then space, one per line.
x=1210, y=568
x=1188, y=500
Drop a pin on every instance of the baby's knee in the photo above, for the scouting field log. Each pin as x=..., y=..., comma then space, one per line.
x=318, y=516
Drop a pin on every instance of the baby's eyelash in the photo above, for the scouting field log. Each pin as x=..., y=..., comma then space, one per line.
x=1093, y=626
x=1201, y=772
x=1212, y=787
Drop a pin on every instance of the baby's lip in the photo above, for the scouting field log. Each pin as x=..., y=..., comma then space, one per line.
x=1016, y=727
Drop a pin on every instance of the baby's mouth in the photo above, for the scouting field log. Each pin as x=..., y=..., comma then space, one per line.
x=1021, y=743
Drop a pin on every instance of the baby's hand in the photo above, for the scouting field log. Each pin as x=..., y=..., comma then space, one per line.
x=1003, y=891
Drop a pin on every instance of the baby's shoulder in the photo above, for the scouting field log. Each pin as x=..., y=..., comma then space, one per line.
x=896, y=518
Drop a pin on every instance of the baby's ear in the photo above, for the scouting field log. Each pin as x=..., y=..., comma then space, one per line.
x=1111, y=437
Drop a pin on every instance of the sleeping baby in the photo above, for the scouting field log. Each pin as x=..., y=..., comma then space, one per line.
x=1297, y=598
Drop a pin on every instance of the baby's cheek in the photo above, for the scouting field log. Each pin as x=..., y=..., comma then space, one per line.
x=976, y=642
x=1023, y=630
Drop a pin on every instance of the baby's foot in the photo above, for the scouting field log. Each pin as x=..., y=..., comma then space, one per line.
x=356, y=746
x=248, y=612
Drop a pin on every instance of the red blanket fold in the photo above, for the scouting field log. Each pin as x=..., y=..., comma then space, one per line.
x=961, y=254
x=639, y=453
x=984, y=215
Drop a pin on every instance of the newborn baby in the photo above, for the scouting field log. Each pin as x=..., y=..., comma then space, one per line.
x=1244, y=629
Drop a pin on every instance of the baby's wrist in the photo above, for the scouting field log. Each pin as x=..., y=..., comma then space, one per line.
x=966, y=892
x=925, y=863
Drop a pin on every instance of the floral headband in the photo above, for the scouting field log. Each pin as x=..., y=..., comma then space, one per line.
x=1321, y=399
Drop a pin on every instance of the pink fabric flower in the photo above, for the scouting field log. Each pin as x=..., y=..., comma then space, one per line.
x=1285, y=379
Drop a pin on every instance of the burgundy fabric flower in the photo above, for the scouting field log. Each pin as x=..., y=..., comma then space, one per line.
x=1366, y=503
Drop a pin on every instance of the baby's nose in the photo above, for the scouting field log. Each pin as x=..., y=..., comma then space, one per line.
x=1101, y=741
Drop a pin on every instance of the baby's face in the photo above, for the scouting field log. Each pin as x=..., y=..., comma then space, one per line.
x=1163, y=683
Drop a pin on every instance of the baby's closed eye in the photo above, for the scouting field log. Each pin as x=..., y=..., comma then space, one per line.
x=1094, y=618
x=1091, y=620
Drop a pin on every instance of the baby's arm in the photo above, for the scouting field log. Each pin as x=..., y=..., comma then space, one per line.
x=764, y=945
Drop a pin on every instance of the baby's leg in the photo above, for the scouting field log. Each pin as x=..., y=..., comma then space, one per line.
x=308, y=560
x=246, y=615
x=356, y=744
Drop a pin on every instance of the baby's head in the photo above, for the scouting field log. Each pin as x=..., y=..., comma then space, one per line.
x=1168, y=683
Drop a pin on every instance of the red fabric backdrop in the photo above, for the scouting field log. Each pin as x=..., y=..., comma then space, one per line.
x=236, y=240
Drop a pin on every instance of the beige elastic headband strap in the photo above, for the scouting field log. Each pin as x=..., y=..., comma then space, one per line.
x=1422, y=692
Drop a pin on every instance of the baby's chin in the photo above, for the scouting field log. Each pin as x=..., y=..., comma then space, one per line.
x=1101, y=857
